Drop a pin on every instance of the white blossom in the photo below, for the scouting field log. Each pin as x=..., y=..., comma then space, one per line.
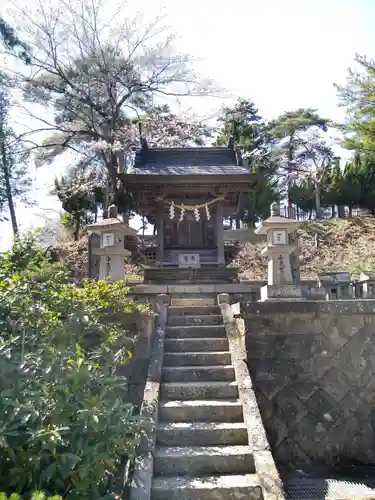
x=101, y=146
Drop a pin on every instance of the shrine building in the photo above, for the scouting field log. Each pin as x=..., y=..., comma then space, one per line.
x=188, y=192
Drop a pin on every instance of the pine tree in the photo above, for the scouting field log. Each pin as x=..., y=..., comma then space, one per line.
x=15, y=181
x=12, y=42
x=248, y=130
x=296, y=143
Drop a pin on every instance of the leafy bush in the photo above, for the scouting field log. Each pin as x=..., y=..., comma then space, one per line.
x=35, y=496
x=64, y=421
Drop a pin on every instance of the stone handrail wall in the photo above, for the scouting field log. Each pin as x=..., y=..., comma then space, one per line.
x=142, y=325
x=141, y=483
x=243, y=291
x=272, y=487
x=313, y=366
x=136, y=369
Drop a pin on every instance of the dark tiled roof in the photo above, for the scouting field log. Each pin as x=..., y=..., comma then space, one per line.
x=188, y=161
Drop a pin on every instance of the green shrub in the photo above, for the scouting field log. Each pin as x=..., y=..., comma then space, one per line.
x=38, y=495
x=64, y=422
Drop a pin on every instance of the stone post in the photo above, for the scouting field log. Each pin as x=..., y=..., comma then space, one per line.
x=219, y=234
x=367, y=280
x=111, y=251
x=137, y=369
x=278, y=250
x=223, y=298
x=93, y=259
x=144, y=326
x=294, y=258
x=161, y=305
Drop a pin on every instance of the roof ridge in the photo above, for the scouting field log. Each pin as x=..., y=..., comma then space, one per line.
x=181, y=160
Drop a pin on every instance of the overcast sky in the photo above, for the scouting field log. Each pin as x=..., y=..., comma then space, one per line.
x=281, y=54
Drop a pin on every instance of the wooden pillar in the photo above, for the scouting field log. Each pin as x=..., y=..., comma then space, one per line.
x=219, y=234
x=160, y=233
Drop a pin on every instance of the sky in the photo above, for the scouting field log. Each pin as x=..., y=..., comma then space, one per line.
x=281, y=54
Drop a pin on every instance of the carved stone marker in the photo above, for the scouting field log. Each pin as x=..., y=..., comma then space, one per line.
x=189, y=261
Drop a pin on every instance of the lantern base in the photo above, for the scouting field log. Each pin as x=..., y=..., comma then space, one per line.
x=281, y=293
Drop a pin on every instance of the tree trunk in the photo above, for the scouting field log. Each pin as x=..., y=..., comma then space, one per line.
x=8, y=190
x=290, y=162
x=318, y=208
x=350, y=209
x=113, y=191
x=77, y=226
x=333, y=211
x=238, y=222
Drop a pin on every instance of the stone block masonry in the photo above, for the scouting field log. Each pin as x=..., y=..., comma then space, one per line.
x=313, y=368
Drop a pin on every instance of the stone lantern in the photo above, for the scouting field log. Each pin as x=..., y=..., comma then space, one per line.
x=278, y=250
x=112, y=232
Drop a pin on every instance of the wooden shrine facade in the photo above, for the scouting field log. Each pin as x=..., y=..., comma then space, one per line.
x=188, y=192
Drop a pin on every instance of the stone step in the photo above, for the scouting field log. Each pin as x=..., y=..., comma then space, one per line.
x=175, y=332
x=200, y=411
x=196, y=344
x=203, y=460
x=215, y=373
x=199, y=390
x=228, y=487
x=192, y=301
x=202, y=319
x=197, y=358
x=206, y=274
x=187, y=310
x=205, y=434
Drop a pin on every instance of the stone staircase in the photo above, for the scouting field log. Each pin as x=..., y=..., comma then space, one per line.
x=202, y=450
x=205, y=274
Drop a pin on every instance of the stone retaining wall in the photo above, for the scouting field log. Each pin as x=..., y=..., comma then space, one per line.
x=313, y=367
